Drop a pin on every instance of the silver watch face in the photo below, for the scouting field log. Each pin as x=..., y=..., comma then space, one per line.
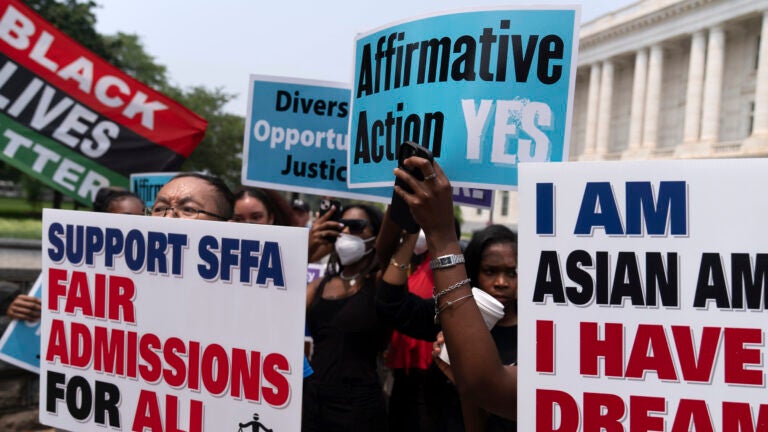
x=447, y=261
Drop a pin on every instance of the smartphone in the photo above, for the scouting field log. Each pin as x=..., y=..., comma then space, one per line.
x=325, y=207
x=399, y=211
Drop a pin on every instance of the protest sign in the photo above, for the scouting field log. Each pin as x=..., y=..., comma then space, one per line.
x=472, y=197
x=170, y=324
x=20, y=344
x=642, y=296
x=484, y=90
x=296, y=138
x=146, y=185
x=74, y=121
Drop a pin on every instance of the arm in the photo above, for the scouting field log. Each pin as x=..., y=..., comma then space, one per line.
x=387, y=240
x=24, y=307
x=405, y=311
x=480, y=376
x=475, y=418
x=312, y=291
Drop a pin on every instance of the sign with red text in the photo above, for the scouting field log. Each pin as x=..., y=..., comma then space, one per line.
x=76, y=122
x=160, y=324
x=643, y=296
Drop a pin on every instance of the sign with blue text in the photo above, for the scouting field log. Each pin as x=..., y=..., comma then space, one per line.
x=153, y=323
x=20, y=344
x=296, y=138
x=643, y=294
x=484, y=90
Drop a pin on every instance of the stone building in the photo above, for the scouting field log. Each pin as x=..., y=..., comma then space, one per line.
x=661, y=79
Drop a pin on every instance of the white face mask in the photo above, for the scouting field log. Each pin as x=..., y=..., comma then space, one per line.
x=351, y=248
x=421, y=244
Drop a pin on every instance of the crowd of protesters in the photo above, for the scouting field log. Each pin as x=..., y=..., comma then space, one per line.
x=383, y=306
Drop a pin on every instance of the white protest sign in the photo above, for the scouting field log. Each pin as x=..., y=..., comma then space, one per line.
x=643, y=296
x=170, y=325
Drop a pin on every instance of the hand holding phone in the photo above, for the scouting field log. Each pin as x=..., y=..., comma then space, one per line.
x=325, y=207
x=399, y=210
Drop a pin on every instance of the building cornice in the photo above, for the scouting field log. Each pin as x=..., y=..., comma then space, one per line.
x=648, y=22
x=593, y=32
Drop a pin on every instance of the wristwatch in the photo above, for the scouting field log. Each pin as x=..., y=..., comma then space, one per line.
x=446, y=261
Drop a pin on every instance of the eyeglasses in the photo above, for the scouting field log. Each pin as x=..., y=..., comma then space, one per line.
x=185, y=211
x=356, y=226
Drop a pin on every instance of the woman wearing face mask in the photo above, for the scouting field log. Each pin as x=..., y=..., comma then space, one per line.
x=344, y=394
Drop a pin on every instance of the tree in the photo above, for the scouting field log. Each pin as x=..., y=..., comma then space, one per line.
x=220, y=152
x=128, y=54
x=76, y=19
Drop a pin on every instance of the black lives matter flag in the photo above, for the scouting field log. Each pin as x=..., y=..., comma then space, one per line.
x=74, y=121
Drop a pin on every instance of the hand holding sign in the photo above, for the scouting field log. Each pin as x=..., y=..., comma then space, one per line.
x=24, y=307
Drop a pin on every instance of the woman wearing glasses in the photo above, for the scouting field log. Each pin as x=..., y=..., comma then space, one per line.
x=344, y=394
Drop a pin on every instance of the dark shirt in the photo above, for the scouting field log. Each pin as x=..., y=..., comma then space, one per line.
x=347, y=336
x=406, y=312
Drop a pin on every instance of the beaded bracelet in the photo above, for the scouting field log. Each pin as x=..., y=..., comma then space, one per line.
x=398, y=265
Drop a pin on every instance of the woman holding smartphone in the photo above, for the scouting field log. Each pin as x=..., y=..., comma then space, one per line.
x=344, y=393
x=479, y=373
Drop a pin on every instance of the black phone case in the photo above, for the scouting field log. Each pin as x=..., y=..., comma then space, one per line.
x=399, y=211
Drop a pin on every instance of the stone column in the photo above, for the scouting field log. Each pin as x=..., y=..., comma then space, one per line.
x=693, y=94
x=653, y=100
x=713, y=87
x=758, y=141
x=638, y=104
x=590, y=139
x=604, y=109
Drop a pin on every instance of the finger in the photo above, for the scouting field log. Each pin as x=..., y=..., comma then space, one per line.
x=438, y=170
x=327, y=215
x=331, y=233
x=416, y=186
x=423, y=165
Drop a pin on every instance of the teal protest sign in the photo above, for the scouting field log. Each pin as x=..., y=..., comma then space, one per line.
x=20, y=344
x=484, y=90
x=147, y=185
x=296, y=138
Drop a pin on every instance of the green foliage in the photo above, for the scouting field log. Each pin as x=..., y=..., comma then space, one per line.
x=21, y=228
x=76, y=19
x=457, y=215
x=128, y=52
x=220, y=152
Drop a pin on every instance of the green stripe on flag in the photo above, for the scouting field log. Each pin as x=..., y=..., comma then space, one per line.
x=54, y=164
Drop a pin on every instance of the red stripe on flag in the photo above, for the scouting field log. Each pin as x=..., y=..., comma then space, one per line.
x=34, y=43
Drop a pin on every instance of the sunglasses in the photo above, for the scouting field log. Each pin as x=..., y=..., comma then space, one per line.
x=356, y=226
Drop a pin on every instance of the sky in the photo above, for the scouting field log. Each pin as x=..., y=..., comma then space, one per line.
x=219, y=44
